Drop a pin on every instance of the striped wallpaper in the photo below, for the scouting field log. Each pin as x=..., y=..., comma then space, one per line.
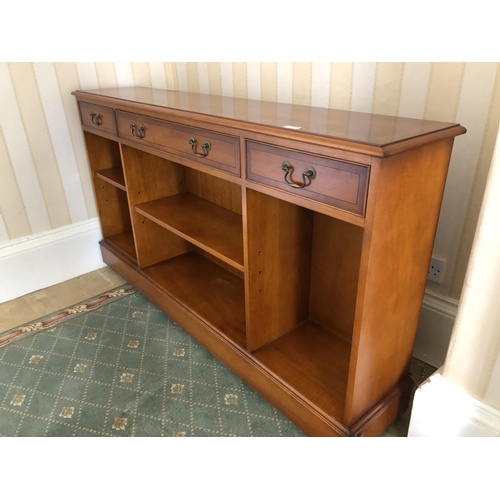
x=45, y=184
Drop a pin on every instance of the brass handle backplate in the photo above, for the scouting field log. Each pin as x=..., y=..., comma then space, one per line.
x=138, y=133
x=96, y=119
x=205, y=146
x=308, y=175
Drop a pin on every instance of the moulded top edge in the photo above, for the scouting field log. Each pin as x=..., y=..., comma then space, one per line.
x=372, y=130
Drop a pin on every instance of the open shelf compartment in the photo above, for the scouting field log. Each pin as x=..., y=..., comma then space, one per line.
x=111, y=197
x=196, y=209
x=188, y=234
x=215, y=229
x=302, y=283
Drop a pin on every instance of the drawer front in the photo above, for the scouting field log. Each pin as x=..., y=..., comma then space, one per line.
x=98, y=117
x=336, y=183
x=208, y=148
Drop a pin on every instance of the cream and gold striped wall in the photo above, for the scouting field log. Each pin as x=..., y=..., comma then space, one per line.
x=44, y=182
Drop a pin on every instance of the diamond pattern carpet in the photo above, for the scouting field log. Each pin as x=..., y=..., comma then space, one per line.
x=122, y=368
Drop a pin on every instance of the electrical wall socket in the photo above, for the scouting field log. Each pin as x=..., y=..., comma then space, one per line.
x=436, y=270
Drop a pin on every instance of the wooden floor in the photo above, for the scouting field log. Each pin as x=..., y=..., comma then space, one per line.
x=43, y=302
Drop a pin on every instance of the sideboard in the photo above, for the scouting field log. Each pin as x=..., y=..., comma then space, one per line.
x=292, y=242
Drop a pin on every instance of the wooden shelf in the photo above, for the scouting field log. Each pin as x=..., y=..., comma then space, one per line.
x=210, y=227
x=124, y=243
x=211, y=292
x=313, y=361
x=112, y=175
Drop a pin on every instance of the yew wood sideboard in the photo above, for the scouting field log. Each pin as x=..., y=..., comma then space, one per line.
x=292, y=242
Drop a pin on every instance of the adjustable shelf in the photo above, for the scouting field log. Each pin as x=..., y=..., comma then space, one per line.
x=216, y=230
x=112, y=175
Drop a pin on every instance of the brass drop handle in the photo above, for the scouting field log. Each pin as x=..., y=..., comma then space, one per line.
x=308, y=175
x=96, y=119
x=205, y=146
x=140, y=133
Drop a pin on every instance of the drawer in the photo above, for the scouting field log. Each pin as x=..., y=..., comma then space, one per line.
x=222, y=153
x=336, y=183
x=98, y=117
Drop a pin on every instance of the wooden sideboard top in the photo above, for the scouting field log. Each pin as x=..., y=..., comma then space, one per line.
x=366, y=133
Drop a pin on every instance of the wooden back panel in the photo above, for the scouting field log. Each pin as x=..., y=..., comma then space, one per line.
x=113, y=208
x=213, y=189
x=102, y=153
x=336, y=253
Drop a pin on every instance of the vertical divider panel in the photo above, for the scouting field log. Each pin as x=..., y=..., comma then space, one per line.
x=244, y=214
x=148, y=178
x=278, y=267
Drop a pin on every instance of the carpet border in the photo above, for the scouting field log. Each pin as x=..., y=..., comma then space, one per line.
x=31, y=328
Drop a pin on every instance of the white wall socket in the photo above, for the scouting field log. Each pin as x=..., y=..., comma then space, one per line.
x=436, y=270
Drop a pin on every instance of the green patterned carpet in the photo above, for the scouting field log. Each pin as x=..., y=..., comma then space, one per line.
x=123, y=369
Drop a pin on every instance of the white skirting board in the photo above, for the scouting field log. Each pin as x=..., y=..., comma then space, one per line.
x=46, y=259
x=434, y=329
x=442, y=409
